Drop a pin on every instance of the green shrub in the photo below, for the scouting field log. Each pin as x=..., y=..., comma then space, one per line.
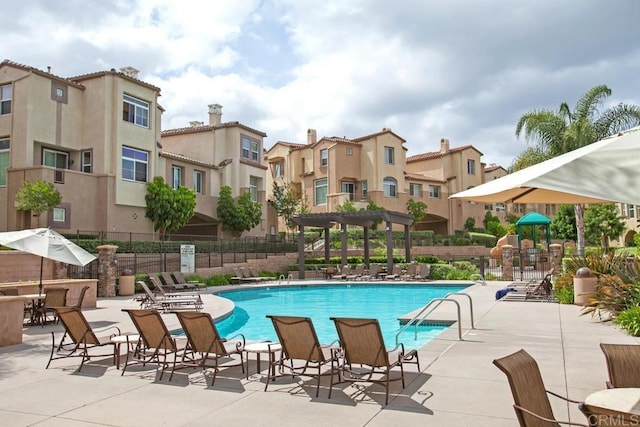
x=218, y=280
x=629, y=320
x=564, y=295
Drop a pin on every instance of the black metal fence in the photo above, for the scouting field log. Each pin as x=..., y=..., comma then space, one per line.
x=144, y=253
x=528, y=265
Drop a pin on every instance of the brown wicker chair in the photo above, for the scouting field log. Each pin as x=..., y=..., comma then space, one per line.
x=82, y=337
x=205, y=344
x=156, y=343
x=531, y=402
x=623, y=364
x=363, y=345
x=302, y=353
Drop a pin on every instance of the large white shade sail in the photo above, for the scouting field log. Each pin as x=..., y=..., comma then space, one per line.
x=605, y=171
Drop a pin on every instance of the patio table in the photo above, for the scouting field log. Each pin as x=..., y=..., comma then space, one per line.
x=615, y=406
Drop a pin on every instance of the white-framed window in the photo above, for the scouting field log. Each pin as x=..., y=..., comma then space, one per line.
x=434, y=191
x=500, y=207
x=55, y=159
x=6, y=94
x=349, y=187
x=390, y=186
x=134, y=164
x=320, y=189
x=471, y=167
x=324, y=157
x=364, y=190
x=488, y=207
x=59, y=214
x=250, y=149
x=349, y=151
x=198, y=180
x=415, y=190
x=631, y=213
x=86, y=159
x=254, y=183
x=389, y=156
x=5, y=146
x=135, y=111
x=176, y=177
x=278, y=169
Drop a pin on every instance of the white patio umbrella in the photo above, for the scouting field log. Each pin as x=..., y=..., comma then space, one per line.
x=605, y=171
x=46, y=243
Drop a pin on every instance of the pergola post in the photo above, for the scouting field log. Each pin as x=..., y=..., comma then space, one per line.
x=327, y=246
x=407, y=244
x=343, y=243
x=301, y=251
x=366, y=246
x=389, y=247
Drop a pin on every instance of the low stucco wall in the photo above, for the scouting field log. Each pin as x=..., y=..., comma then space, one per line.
x=11, y=317
x=20, y=266
x=74, y=285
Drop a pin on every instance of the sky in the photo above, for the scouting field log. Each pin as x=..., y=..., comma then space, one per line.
x=465, y=70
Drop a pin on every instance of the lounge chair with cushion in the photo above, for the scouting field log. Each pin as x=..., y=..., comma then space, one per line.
x=156, y=345
x=302, y=353
x=366, y=359
x=81, y=335
x=410, y=273
x=342, y=274
x=182, y=281
x=531, y=402
x=205, y=344
x=623, y=365
x=162, y=292
x=395, y=274
x=171, y=302
x=356, y=273
x=172, y=283
x=372, y=274
x=423, y=272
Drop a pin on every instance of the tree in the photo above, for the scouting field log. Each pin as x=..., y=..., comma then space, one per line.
x=239, y=217
x=492, y=225
x=371, y=206
x=418, y=210
x=470, y=224
x=563, y=225
x=347, y=206
x=168, y=209
x=561, y=131
x=286, y=203
x=38, y=197
x=602, y=223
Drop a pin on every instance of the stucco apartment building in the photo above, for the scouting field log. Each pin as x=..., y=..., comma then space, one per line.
x=98, y=138
x=332, y=170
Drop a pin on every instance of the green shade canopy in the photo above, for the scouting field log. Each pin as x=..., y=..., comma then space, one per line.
x=533, y=219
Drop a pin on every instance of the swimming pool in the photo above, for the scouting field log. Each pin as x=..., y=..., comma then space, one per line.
x=383, y=302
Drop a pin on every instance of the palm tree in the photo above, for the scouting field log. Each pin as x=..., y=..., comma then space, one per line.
x=561, y=131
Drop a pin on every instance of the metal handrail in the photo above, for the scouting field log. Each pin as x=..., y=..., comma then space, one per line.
x=419, y=318
x=415, y=324
x=478, y=278
x=470, y=303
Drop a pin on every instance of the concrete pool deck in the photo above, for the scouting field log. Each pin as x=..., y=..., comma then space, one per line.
x=457, y=386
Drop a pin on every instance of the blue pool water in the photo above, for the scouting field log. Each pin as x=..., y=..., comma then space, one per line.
x=383, y=302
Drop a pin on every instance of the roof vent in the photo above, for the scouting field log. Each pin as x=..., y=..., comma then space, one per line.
x=130, y=72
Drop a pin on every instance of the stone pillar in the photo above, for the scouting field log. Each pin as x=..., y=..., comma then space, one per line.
x=107, y=270
x=507, y=262
x=555, y=251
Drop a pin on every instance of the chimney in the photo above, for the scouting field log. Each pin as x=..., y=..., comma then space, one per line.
x=130, y=72
x=444, y=145
x=195, y=124
x=312, y=136
x=215, y=114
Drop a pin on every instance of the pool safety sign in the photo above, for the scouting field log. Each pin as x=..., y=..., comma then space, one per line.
x=188, y=258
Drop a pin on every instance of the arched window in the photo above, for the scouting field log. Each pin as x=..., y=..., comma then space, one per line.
x=390, y=185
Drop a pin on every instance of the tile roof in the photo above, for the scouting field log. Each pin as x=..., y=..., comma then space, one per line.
x=492, y=168
x=383, y=131
x=183, y=158
x=436, y=154
x=420, y=177
x=34, y=70
x=114, y=73
x=208, y=128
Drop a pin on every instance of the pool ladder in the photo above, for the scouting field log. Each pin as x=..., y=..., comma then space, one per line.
x=429, y=308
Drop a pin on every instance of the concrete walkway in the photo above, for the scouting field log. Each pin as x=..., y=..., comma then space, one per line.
x=458, y=384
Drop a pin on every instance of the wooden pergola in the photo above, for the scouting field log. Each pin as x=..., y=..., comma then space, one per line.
x=363, y=219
